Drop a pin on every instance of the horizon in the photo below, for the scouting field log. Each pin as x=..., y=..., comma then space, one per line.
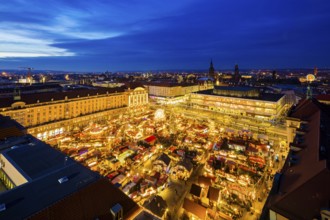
x=18, y=70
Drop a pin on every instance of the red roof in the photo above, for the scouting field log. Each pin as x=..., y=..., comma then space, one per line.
x=304, y=109
x=150, y=139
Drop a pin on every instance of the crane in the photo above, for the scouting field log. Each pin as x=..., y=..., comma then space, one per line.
x=28, y=77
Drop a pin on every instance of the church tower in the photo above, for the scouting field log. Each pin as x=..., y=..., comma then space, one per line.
x=211, y=71
x=315, y=71
x=236, y=74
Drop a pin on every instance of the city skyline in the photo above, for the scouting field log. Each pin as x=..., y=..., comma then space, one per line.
x=148, y=35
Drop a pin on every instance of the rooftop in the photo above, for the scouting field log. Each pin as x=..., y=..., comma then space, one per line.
x=57, y=186
x=194, y=208
x=165, y=158
x=235, y=88
x=323, y=97
x=10, y=128
x=263, y=96
x=41, y=192
x=169, y=84
x=27, y=88
x=36, y=159
x=59, y=96
x=94, y=201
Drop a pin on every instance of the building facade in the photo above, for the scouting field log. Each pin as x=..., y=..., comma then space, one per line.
x=47, y=109
x=239, y=101
x=171, y=93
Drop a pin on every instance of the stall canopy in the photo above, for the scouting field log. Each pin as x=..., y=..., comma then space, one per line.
x=195, y=190
x=213, y=193
x=164, y=158
x=194, y=208
x=206, y=181
x=186, y=164
x=156, y=205
x=150, y=139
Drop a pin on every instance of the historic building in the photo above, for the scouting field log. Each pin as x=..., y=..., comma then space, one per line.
x=239, y=101
x=212, y=71
x=50, y=111
x=171, y=93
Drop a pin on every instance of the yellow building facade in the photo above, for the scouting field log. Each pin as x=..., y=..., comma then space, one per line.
x=35, y=111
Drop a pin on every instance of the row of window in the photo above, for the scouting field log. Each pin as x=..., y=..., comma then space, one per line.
x=233, y=101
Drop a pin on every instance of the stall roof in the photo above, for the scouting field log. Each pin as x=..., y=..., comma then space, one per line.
x=213, y=193
x=165, y=158
x=194, y=208
x=150, y=139
x=204, y=180
x=146, y=216
x=195, y=190
x=186, y=164
x=157, y=205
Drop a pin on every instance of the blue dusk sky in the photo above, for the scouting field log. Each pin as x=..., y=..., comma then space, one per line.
x=100, y=35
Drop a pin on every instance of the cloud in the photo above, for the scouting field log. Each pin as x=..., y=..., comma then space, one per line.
x=148, y=33
x=24, y=43
x=37, y=37
x=44, y=28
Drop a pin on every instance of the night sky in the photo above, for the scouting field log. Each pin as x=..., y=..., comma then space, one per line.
x=100, y=35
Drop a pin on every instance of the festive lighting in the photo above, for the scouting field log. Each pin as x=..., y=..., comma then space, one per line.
x=160, y=115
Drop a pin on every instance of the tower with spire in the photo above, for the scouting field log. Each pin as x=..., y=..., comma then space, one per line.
x=315, y=71
x=236, y=74
x=211, y=71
